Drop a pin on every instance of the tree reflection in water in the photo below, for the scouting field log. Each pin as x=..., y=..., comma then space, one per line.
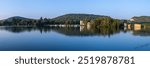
x=77, y=31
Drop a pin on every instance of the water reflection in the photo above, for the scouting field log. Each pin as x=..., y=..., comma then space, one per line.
x=79, y=31
x=79, y=38
x=138, y=29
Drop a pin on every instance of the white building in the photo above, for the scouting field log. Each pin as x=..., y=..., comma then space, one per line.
x=82, y=23
x=132, y=20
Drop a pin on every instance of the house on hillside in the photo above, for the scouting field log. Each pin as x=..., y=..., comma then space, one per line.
x=132, y=19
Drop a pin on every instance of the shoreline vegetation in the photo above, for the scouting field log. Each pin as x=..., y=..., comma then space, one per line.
x=78, y=24
x=75, y=20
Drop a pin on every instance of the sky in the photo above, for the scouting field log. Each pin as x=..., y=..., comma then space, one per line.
x=121, y=9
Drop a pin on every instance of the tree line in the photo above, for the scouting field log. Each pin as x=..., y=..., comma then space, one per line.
x=104, y=22
x=27, y=22
x=69, y=19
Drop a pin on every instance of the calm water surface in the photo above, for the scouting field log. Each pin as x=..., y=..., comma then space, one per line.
x=73, y=39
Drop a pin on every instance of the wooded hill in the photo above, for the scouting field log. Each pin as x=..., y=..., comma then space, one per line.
x=72, y=18
x=64, y=19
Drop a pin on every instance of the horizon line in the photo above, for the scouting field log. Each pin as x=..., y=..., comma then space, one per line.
x=62, y=15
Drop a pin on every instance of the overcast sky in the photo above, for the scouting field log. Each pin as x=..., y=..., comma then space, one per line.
x=122, y=9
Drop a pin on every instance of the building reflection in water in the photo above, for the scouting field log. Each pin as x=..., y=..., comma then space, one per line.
x=133, y=27
x=137, y=29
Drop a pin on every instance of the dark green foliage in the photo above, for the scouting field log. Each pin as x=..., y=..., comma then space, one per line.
x=69, y=19
x=1, y=23
x=16, y=21
x=104, y=25
x=75, y=18
x=105, y=22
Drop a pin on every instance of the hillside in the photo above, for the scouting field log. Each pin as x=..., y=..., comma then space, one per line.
x=12, y=20
x=141, y=19
x=16, y=18
x=68, y=19
x=76, y=17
